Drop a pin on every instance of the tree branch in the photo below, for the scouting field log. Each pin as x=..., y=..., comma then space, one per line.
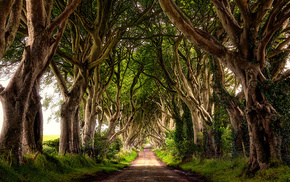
x=282, y=77
x=10, y=13
x=280, y=48
x=60, y=79
x=70, y=59
x=63, y=16
x=228, y=21
x=261, y=12
x=270, y=27
x=199, y=37
x=246, y=13
x=13, y=23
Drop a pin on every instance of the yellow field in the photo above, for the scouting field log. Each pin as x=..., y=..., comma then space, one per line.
x=50, y=137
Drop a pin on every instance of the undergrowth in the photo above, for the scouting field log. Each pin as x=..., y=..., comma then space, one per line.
x=226, y=170
x=52, y=167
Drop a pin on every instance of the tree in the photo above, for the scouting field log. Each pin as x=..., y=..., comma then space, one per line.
x=259, y=24
x=38, y=52
x=105, y=21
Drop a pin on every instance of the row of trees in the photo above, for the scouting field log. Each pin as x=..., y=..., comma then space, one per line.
x=123, y=65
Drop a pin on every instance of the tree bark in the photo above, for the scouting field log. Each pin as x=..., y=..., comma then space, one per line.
x=33, y=124
x=70, y=124
x=90, y=122
x=76, y=149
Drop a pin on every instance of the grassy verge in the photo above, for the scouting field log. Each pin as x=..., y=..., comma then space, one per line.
x=226, y=170
x=166, y=157
x=47, y=168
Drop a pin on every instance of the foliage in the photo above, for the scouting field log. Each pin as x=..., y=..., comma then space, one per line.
x=51, y=146
x=178, y=133
x=188, y=132
x=103, y=150
x=222, y=129
x=183, y=135
x=168, y=158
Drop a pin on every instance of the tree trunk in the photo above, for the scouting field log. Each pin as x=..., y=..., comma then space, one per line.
x=76, y=132
x=208, y=143
x=196, y=126
x=236, y=119
x=70, y=124
x=15, y=97
x=90, y=124
x=33, y=124
x=66, y=128
x=70, y=129
x=265, y=144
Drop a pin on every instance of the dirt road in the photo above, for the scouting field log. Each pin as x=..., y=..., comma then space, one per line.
x=147, y=167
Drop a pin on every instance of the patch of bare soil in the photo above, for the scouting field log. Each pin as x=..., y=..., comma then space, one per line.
x=146, y=167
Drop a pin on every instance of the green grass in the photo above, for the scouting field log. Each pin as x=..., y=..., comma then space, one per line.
x=130, y=157
x=168, y=158
x=227, y=170
x=50, y=137
x=53, y=168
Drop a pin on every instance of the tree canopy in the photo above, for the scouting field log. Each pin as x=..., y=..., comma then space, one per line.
x=187, y=72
